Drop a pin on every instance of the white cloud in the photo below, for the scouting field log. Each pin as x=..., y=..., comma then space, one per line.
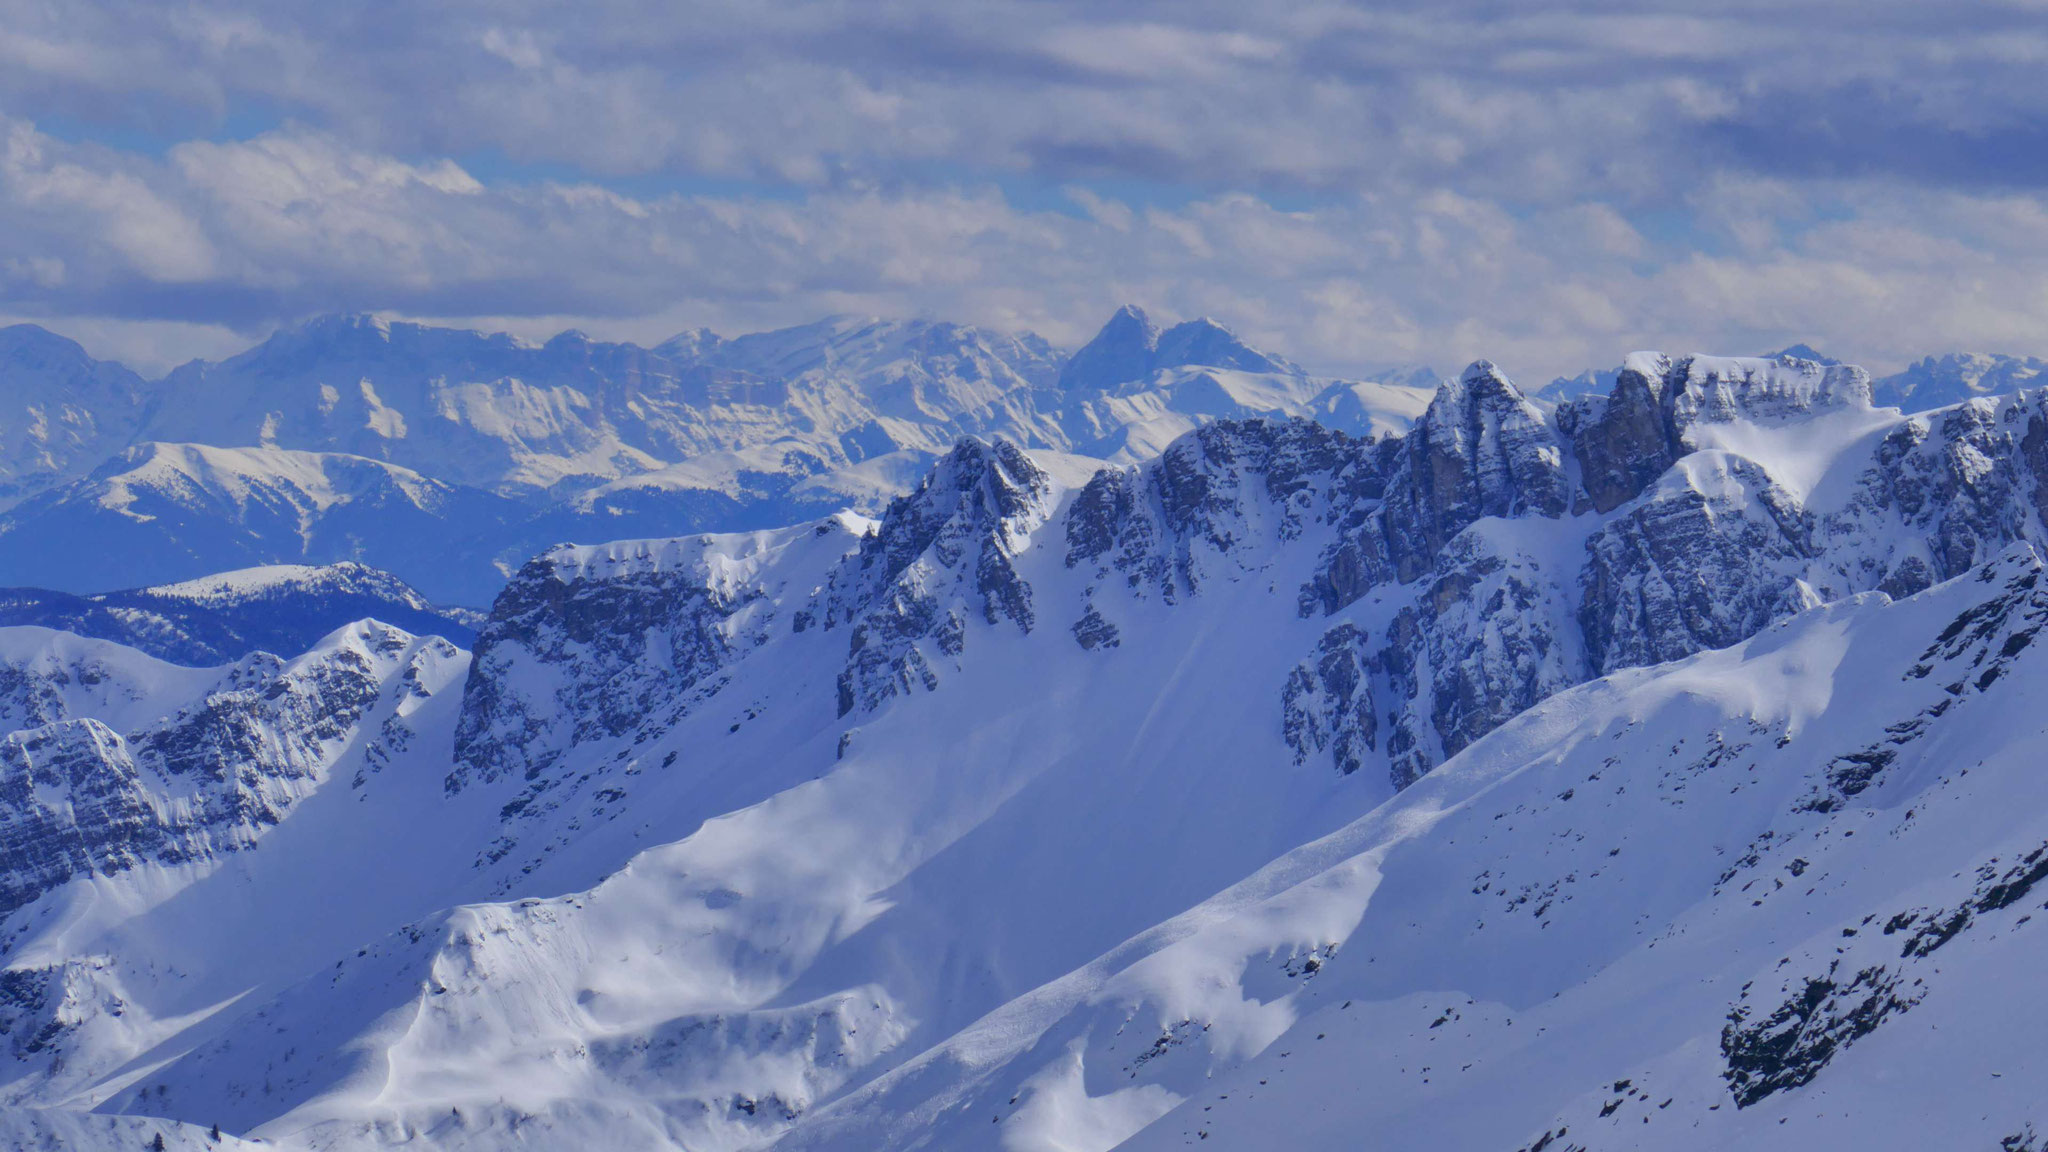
x=297, y=221
x=1547, y=186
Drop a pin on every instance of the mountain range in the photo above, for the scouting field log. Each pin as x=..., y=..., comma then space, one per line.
x=221, y=618
x=1652, y=767
x=448, y=457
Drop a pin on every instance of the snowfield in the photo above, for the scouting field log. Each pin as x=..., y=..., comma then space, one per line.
x=1651, y=770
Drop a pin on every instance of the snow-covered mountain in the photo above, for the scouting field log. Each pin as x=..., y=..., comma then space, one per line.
x=1134, y=389
x=162, y=513
x=488, y=411
x=1938, y=381
x=1653, y=770
x=61, y=411
x=449, y=456
x=222, y=618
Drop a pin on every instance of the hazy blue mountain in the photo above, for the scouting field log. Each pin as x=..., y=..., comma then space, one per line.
x=449, y=456
x=61, y=411
x=1938, y=381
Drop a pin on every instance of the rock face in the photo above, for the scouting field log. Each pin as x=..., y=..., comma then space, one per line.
x=1707, y=557
x=1481, y=450
x=629, y=636
x=233, y=750
x=942, y=555
x=1328, y=704
x=1626, y=439
x=1965, y=481
x=1206, y=504
x=1478, y=646
x=1621, y=438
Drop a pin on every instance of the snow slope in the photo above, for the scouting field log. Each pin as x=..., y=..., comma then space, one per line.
x=1288, y=786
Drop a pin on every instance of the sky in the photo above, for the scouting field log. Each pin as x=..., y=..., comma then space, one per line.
x=1547, y=185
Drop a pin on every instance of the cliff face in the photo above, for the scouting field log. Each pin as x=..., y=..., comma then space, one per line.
x=226, y=755
x=1493, y=555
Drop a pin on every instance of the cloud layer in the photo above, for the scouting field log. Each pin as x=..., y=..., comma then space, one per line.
x=1548, y=187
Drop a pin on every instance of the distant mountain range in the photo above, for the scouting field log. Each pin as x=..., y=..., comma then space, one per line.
x=219, y=619
x=1938, y=381
x=1933, y=382
x=448, y=456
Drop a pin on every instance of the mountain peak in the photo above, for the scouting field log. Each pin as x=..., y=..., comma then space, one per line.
x=37, y=345
x=1122, y=351
x=338, y=323
x=690, y=344
x=1130, y=347
x=1208, y=344
x=1481, y=370
x=1801, y=352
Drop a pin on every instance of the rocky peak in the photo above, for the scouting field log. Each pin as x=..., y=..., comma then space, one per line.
x=1130, y=348
x=1935, y=381
x=1627, y=438
x=60, y=409
x=688, y=346
x=88, y=790
x=1203, y=342
x=1214, y=490
x=1718, y=389
x=1801, y=351
x=941, y=555
x=979, y=493
x=1122, y=351
x=352, y=335
x=1482, y=449
x=33, y=348
x=633, y=634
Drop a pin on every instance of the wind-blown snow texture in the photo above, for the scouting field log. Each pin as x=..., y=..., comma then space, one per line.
x=1658, y=769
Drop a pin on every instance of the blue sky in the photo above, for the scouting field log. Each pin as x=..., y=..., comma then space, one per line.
x=1546, y=185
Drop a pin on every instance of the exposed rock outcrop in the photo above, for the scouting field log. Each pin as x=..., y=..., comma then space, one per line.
x=240, y=749
x=942, y=554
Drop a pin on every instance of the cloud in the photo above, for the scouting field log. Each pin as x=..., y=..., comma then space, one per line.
x=1522, y=102
x=1548, y=186
x=247, y=234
